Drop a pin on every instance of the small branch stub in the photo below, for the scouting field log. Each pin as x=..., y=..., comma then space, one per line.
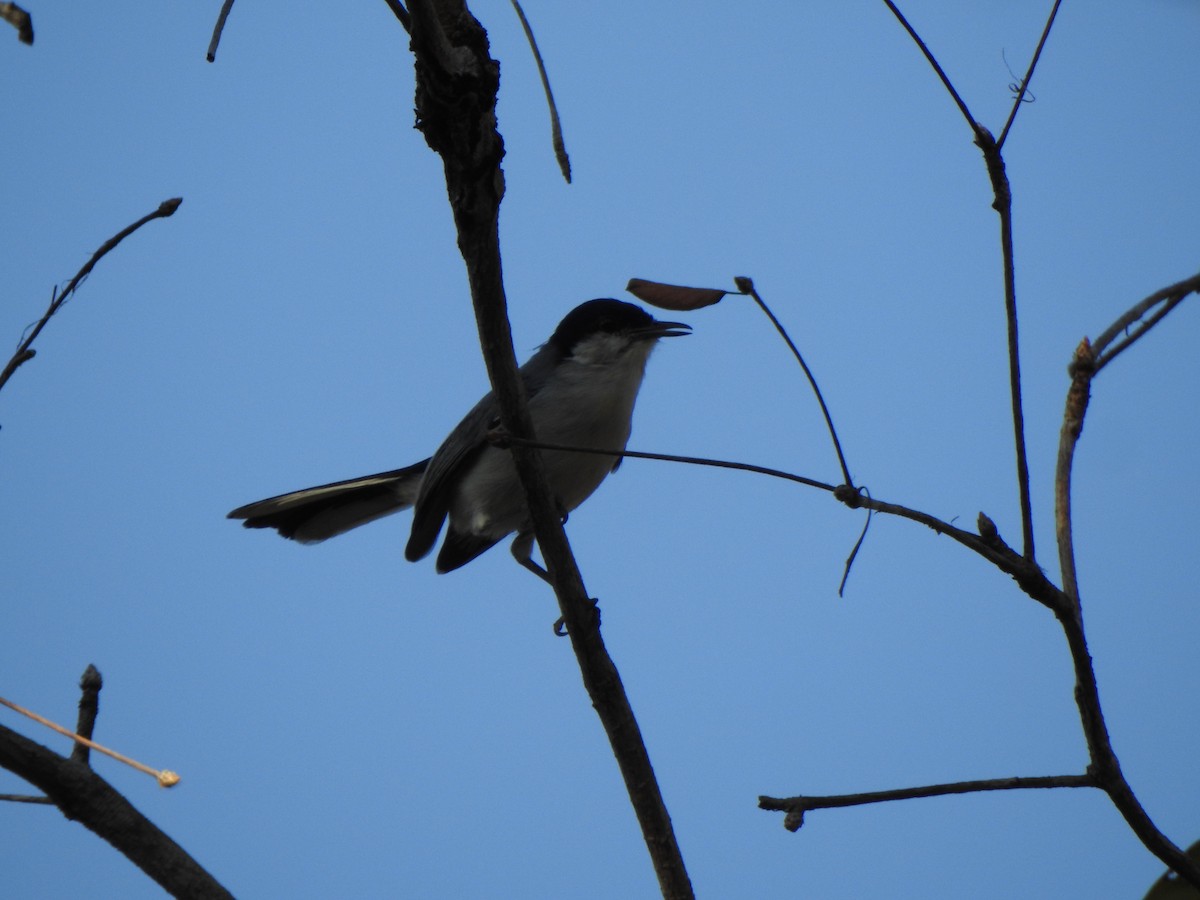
x=1083, y=364
x=18, y=19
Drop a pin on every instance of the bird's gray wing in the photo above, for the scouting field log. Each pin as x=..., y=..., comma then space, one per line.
x=463, y=444
x=459, y=449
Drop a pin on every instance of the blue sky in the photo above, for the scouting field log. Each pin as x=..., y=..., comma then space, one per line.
x=348, y=724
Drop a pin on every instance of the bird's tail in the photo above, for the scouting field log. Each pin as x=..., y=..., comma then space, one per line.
x=317, y=513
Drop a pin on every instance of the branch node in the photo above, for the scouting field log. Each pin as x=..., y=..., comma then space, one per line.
x=850, y=495
x=794, y=819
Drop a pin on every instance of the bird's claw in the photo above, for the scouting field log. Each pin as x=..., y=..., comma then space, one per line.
x=560, y=624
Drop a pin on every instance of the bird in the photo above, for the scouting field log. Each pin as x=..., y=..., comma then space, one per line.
x=581, y=386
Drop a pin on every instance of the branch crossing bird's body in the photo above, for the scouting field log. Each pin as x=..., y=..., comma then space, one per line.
x=581, y=386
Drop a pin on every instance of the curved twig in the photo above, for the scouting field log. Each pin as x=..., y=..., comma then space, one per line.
x=556, y=137
x=746, y=286
x=24, y=350
x=1170, y=296
x=987, y=543
x=1104, y=763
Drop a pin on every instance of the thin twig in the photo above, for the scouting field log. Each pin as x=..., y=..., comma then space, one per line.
x=1003, y=205
x=796, y=807
x=990, y=546
x=401, y=13
x=1171, y=296
x=746, y=286
x=501, y=439
x=1028, y=76
x=962, y=106
x=217, y=30
x=18, y=19
x=862, y=536
x=166, y=208
x=560, y=149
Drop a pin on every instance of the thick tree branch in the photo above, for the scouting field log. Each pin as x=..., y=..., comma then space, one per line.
x=85, y=797
x=457, y=81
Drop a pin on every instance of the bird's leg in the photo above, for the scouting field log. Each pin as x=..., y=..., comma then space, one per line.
x=522, y=551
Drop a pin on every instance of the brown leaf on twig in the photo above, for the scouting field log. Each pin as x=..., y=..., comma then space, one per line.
x=673, y=296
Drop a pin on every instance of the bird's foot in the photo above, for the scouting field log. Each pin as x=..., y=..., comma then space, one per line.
x=560, y=624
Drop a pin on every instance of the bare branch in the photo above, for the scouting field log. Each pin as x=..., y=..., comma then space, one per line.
x=987, y=543
x=18, y=19
x=959, y=102
x=211, y=56
x=1104, y=764
x=1170, y=296
x=89, y=708
x=401, y=13
x=24, y=351
x=1024, y=87
x=560, y=149
x=502, y=439
x=85, y=797
x=27, y=798
x=796, y=807
x=1003, y=205
x=457, y=81
x=746, y=286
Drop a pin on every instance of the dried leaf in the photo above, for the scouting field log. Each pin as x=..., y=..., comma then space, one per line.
x=673, y=296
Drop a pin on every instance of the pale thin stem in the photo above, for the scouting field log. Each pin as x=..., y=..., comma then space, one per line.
x=165, y=777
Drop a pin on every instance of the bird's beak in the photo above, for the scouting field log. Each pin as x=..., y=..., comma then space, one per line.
x=656, y=330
